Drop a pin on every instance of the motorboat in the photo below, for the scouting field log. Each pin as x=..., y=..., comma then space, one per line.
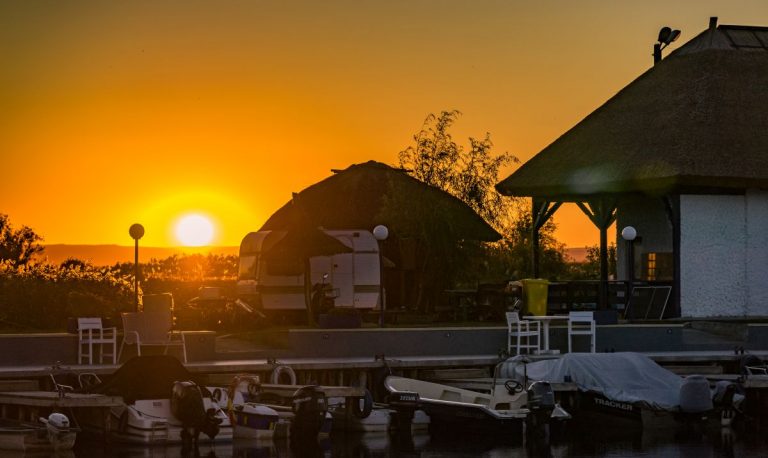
x=624, y=390
x=274, y=410
x=162, y=405
x=52, y=433
x=370, y=417
x=463, y=409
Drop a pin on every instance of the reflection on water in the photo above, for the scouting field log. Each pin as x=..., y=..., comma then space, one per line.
x=728, y=443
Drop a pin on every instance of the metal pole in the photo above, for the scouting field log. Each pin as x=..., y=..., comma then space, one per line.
x=630, y=269
x=136, y=274
x=381, y=287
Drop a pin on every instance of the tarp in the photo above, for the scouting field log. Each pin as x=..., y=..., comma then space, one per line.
x=145, y=377
x=625, y=377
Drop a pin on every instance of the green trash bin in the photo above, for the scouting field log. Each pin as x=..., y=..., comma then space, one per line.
x=535, y=296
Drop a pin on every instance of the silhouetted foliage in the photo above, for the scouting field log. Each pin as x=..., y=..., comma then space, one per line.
x=447, y=261
x=190, y=267
x=469, y=174
x=17, y=246
x=41, y=297
x=590, y=269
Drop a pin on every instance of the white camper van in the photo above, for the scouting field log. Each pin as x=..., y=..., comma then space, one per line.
x=352, y=278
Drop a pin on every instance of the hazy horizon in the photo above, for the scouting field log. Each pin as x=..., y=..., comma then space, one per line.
x=145, y=112
x=110, y=254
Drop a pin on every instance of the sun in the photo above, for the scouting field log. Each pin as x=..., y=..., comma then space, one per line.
x=194, y=230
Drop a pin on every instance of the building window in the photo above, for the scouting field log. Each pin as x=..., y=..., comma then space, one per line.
x=651, y=263
x=658, y=266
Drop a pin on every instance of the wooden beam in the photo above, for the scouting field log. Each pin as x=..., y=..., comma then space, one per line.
x=602, y=212
x=541, y=211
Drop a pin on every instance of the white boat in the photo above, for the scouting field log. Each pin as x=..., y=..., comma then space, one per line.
x=451, y=406
x=378, y=419
x=260, y=415
x=147, y=417
x=52, y=433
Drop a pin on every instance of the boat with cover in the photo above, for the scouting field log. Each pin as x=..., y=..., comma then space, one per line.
x=52, y=433
x=623, y=389
x=162, y=403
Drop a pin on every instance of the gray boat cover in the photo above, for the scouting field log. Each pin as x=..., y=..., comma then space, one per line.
x=625, y=377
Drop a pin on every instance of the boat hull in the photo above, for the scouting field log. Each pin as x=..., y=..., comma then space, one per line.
x=34, y=438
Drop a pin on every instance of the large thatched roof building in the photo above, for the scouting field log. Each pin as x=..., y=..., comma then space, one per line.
x=681, y=154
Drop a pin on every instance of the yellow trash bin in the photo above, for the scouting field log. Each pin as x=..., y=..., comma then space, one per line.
x=535, y=296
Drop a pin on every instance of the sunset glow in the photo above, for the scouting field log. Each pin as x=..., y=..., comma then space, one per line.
x=124, y=112
x=194, y=230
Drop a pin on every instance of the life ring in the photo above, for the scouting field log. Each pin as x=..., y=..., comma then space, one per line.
x=365, y=410
x=122, y=423
x=279, y=371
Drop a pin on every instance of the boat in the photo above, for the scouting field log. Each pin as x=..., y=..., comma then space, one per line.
x=53, y=433
x=457, y=408
x=377, y=419
x=624, y=390
x=274, y=411
x=162, y=405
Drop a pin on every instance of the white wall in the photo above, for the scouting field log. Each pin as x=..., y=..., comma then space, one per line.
x=757, y=253
x=713, y=249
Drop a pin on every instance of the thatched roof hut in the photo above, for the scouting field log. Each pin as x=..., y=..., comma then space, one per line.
x=681, y=153
x=696, y=120
x=354, y=198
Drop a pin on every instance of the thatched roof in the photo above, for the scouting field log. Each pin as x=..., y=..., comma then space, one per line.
x=354, y=197
x=696, y=121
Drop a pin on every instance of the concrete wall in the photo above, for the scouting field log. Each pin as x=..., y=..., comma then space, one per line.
x=713, y=250
x=757, y=253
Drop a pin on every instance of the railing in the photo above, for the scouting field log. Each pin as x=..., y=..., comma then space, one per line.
x=650, y=300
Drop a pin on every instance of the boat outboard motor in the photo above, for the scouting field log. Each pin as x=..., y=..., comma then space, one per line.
x=404, y=404
x=309, y=406
x=188, y=407
x=695, y=397
x=541, y=397
x=541, y=403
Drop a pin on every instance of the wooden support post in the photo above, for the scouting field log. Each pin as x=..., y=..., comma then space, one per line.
x=602, y=212
x=541, y=211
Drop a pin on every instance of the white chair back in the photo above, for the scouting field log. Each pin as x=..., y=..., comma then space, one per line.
x=582, y=324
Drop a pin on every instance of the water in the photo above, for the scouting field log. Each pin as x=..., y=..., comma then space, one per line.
x=722, y=443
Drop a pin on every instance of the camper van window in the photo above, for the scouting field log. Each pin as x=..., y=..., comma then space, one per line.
x=247, y=267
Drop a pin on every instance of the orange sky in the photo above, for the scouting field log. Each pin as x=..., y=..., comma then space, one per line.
x=143, y=111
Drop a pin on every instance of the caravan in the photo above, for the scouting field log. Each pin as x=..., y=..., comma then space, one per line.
x=347, y=280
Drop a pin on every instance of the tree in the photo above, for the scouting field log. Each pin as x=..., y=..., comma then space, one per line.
x=17, y=246
x=470, y=175
x=590, y=268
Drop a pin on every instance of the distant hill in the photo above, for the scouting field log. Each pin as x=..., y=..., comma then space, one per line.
x=107, y=255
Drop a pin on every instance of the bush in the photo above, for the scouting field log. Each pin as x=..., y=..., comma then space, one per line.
x=41, y=297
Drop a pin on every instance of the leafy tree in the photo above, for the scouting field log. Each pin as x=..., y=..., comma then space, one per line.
x=17, y=246
x=590, y=269
x=469, y=174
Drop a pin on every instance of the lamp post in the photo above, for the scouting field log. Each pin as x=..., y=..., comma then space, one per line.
x=629, y=234
x=136, y=231
x=381, y=233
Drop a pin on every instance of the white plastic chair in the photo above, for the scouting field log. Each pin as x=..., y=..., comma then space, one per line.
x=150, y=329
x=523, y=332
x=581, y=324
x=90, y=332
